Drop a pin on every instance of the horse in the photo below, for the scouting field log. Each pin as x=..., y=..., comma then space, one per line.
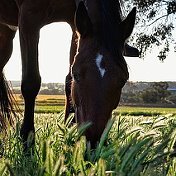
x=97, y=71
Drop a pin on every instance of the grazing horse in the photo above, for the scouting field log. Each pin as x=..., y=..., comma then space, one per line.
x=98, y=70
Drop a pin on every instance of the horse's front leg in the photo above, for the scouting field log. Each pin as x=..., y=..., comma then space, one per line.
x=31, y=80
x=69, y=106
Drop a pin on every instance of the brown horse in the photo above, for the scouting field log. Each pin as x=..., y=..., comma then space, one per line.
x=98, y=70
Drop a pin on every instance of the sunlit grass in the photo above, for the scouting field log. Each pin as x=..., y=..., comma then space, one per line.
x=130, y=145
x=122, y=110
x=146, y=111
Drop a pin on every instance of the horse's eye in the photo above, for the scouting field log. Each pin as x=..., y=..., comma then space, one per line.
x=76, y=77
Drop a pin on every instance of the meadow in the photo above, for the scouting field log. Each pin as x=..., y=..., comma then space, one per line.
x=136, y=142
x=56, y=103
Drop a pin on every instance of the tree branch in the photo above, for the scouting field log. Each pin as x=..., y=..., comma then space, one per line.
x=157, y=19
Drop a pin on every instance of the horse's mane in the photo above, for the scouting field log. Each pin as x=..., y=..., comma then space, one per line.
x=111, y=14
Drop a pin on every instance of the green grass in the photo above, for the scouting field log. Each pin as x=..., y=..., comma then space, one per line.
x=145, y=111
x=122, y=110
x=46, y=109
x=129, y=146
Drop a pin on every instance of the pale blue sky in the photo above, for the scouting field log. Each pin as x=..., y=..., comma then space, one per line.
x=54, y=58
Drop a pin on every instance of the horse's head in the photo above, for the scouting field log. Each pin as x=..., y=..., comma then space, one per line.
x=98, y=72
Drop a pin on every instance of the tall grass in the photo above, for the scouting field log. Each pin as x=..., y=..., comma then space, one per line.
x=129, y=146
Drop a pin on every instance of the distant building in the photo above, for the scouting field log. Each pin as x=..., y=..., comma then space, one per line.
x=172, y=90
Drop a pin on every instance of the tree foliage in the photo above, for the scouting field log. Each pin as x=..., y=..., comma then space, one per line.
x=157, y=93
x=154, y=25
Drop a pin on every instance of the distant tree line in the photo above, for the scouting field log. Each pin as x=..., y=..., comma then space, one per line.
x=47, y=89
x=156, y=93
x=133, y=92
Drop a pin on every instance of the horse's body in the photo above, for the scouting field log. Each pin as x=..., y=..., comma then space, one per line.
x=30, y=16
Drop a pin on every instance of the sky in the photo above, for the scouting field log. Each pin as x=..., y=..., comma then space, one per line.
x=54, y=49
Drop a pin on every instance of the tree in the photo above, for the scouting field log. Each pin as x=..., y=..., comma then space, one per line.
x=154, y=25
x=149, y=96
x=172, y=99
x=130, y=97
x=157, y=93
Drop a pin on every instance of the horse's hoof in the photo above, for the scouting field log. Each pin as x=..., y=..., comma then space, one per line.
x=28, y=140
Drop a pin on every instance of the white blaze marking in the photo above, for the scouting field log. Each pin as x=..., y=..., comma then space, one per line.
x=98, y=63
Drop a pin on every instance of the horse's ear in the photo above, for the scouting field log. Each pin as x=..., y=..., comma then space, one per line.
x=82, y=20
x=127, y=25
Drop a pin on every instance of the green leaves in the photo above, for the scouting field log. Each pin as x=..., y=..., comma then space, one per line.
x=155, y=27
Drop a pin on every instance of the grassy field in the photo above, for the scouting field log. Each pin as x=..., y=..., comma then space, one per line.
x=122, y=110
x=56, y=103
x=145, y=111
x=136, y=142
